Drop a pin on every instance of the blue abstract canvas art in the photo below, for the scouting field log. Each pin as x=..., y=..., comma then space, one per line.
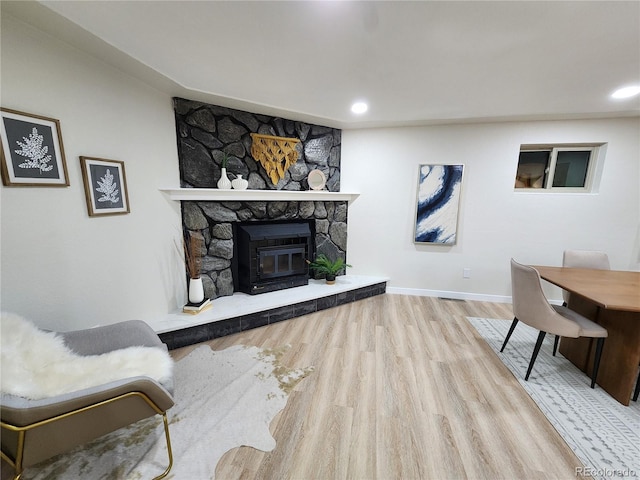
x=438, y=201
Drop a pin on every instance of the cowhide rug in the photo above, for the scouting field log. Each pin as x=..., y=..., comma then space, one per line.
x=224, y=399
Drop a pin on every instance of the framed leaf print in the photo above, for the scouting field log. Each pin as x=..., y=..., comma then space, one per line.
x=32, y=154
x=105, y=186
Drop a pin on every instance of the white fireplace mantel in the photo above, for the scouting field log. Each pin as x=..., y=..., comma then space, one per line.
x=218, y=195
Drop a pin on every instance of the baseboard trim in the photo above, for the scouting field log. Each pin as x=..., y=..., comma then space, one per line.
x=421, y=292
x=445, y=294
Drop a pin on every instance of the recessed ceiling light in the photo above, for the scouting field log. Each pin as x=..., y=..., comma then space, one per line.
x=626, y=92
x=359, y=107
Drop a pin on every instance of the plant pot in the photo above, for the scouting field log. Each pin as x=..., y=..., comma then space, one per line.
x=196, y=290
x=330, y=279
x=224, y=183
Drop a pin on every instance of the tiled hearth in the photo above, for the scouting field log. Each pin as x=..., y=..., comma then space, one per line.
x=239, y=312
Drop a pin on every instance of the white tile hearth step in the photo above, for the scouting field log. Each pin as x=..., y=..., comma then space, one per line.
x=242, y=311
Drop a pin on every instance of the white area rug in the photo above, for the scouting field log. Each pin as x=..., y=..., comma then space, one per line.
x=224, y=399
x=604, y=434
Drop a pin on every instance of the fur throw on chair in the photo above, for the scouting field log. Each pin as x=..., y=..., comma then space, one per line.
x=37, y=364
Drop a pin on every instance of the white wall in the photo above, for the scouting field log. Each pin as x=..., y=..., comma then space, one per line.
x=66, y=270
x=61, y=267
x=495, y=222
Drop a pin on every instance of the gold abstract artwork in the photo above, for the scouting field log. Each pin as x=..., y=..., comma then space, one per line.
x=275, y=154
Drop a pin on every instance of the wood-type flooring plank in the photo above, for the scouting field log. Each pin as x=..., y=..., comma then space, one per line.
x=403, y=388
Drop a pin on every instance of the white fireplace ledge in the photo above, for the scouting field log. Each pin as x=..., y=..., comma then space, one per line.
x=240, y=304
x=218, y=195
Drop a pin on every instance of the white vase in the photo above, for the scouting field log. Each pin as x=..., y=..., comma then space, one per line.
x=224, y=183
x=239, y=183
x=196, y=290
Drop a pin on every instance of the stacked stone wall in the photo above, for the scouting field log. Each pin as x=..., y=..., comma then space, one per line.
x=204, y=133
x=214, y=220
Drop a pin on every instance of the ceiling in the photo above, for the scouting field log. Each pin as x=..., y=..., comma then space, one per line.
x=415, y=63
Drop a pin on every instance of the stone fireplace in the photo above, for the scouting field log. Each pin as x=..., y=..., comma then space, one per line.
x=217, y=221
x=205, y=132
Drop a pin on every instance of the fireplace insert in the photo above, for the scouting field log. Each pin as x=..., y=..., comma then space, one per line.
x=271, y=256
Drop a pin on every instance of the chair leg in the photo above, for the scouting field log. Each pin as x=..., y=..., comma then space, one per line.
x=637, y=390
x=555, y=345
x=16, y=462
x=169, y=450
x=535, y=353
x=596, y=361
x=511, y=329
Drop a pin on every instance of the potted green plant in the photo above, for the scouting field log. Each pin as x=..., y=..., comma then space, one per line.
x=322, y=265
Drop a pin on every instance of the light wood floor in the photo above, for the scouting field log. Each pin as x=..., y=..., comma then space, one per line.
x=404, y=388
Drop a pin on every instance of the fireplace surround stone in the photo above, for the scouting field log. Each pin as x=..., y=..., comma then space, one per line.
x=204, y=133
x=214, y=221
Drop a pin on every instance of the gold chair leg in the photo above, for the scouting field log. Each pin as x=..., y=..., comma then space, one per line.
x=168, y=438
x=16, y=463
x=17, y=474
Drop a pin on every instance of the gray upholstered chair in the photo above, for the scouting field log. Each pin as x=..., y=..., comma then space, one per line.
x=35, y=430
x=531, y=307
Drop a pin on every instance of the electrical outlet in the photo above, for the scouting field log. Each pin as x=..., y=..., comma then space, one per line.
x=466, y=273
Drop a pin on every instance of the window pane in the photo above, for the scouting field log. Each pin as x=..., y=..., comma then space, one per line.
x=532, y=168
x=571, y=169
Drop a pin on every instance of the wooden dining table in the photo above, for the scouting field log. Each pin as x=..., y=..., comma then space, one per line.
x=610, y=298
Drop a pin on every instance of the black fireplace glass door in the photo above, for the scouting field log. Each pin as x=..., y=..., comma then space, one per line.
x=281, y=261
x=267, y=265
x=284, y=262
x=298, y=263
